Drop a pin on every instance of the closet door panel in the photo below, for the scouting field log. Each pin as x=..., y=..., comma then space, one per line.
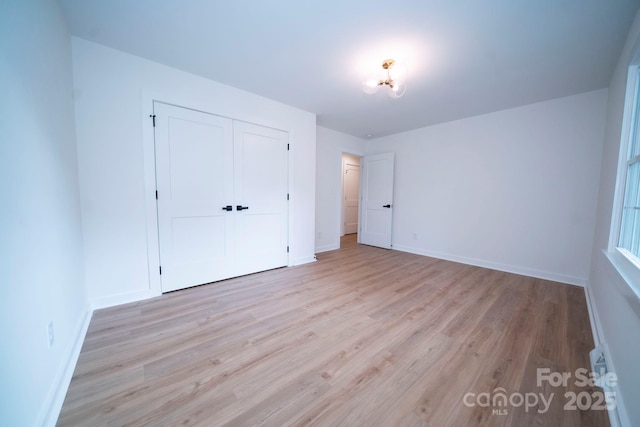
x=194, y=170
x=261, y=185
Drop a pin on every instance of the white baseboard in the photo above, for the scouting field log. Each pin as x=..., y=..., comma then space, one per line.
x=593, y=317
x=524, y=271
x=128, y=297
x=55, y=398
x=619, y=414
x=327, y=248
x=304, y=260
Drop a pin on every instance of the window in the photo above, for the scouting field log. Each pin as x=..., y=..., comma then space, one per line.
x=624, y=242
x=629, y=238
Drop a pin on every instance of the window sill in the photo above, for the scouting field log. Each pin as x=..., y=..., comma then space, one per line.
x=628, y=270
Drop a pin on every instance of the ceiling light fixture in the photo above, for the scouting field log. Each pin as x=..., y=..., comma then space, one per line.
x=393, y=76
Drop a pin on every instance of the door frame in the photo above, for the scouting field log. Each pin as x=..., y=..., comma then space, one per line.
x=150, y=206
x=342, y=200
x=352, y=152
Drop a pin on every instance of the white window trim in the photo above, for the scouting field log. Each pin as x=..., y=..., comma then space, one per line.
x=626, y=264
x=628, y=268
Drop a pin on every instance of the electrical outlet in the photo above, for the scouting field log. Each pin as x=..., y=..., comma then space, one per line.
x=51, y=336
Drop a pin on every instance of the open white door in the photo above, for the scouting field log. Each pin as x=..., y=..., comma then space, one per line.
x=376, y=208
x=194, y=172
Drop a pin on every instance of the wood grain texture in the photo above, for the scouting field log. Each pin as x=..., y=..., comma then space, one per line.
x=363, y=337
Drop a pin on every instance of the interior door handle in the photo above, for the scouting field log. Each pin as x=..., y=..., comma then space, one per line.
x=241, y=208
x=386, y=206
x=227, y=208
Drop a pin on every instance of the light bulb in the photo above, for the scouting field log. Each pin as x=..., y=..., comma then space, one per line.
x=370, y=85
x=397, y=90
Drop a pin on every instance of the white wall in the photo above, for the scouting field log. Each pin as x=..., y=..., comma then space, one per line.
x=328, y=217
x=114, y=92
x=616, y=310
x=513, y=190
x=41, y=266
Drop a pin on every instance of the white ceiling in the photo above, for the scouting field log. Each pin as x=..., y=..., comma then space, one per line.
x=465, y=57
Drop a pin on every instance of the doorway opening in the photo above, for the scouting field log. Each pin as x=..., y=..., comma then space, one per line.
x=349, y=218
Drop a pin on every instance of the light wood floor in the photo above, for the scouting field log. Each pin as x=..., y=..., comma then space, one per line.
x=363, y=337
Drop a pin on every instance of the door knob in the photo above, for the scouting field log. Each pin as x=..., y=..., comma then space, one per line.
x=241, y=208
x=386, y=206
x=227, y=208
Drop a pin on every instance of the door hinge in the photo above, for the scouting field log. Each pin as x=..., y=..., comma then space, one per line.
x=287, y=249
x=156, y=194
x=287, y=196
x=160, y=270
x=288, y=147
x=153, y=116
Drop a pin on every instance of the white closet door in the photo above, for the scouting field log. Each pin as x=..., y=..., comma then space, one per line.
x=376, y=209
x=261, y=183
x=194, y=170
